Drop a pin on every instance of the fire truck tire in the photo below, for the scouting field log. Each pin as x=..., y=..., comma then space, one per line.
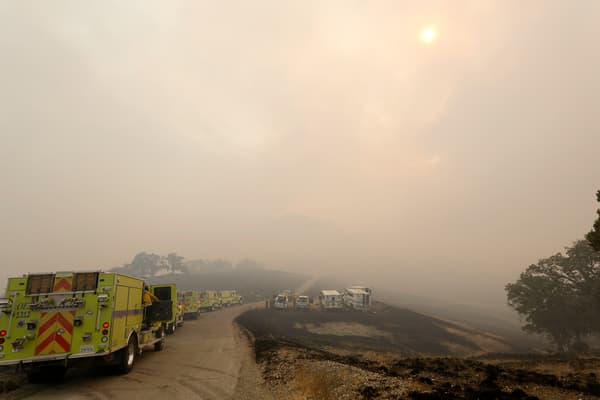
x=158, y=346
x=171, y=328
x=128, y=356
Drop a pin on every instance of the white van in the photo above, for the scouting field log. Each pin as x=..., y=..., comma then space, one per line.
x=281, y=301
x=302, y=303
x=367, y=289
x=357, y=299
x=331, y=300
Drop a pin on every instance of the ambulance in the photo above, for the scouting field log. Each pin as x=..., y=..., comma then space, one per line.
x=50, y=321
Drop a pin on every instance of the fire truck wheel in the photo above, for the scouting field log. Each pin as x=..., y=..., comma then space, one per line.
x=171, y=328
x=128, y=356
x=158, y=346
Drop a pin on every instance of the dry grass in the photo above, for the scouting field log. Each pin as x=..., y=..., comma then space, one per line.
x=488, y=343
x=315, y=385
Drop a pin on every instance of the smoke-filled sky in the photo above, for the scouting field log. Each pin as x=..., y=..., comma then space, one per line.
x=319, y=136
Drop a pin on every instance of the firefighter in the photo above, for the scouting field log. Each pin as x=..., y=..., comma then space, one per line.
x=149, y=297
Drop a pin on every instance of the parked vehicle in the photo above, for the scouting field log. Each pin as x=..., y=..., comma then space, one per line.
x=168, y=291
x=229, y=297
x=49, y=321
x=209, y=300
x=282, y=301
x=331, y=300
x=190, y=303
x=302, y=303
x=357, y=299
x=367, y=289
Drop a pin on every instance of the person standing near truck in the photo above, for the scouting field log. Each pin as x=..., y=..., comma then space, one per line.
x=149, y=297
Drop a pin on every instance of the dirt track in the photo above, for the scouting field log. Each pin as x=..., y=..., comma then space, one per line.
x=206, y=359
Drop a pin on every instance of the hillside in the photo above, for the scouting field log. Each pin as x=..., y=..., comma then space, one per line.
x=396, y=353
x=386, y=329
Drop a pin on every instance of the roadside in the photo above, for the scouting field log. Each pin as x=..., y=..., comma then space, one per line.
x=206, y=359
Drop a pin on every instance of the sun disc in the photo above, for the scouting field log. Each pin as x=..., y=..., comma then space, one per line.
x=428, y=34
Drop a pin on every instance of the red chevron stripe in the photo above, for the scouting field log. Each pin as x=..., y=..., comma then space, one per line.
x=43, y=345
x=67, y=325
x=47, y=324
x=64, y=284
x=66, y=346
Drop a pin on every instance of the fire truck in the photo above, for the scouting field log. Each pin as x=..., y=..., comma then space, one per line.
x=190, y=303
x=52, y=320
x=210, y=300
x=229, y=297
x=168, y=291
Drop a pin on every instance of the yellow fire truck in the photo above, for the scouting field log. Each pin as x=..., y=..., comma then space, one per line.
x=49, y=321
x=209, y=300
x=190, y=303
x=230, y=297
x=168, y=291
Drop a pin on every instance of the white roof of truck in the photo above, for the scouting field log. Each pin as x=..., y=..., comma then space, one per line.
x=330, y=293
x=357, y=291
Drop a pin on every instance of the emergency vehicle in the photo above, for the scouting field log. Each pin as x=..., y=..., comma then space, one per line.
x=49, y=321
x=229, y=297
x=190, y=303
x=331, y=300
x=282, y=301
x=168, y=291
x=210, y=300
x=357, y=299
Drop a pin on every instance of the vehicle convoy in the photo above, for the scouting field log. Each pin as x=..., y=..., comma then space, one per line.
x=52, y=320
x=229, y=297
x=168, y=291
x=190, y=303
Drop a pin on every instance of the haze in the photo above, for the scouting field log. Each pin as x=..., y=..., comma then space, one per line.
x=315, y=136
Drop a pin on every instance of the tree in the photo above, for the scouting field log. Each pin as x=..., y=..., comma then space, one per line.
x=144, y=264
x=176, y=263
x=593, y=236
x=559, y=296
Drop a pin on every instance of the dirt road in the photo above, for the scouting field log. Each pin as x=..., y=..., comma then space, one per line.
x=208, y=358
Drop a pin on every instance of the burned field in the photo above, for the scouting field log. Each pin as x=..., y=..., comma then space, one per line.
x=386, y=329
x=398, y=354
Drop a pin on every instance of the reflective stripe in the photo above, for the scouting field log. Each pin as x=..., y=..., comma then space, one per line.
x=55, y=333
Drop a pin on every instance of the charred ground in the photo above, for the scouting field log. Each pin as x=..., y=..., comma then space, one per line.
x=385, y=329
x=410, y=356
